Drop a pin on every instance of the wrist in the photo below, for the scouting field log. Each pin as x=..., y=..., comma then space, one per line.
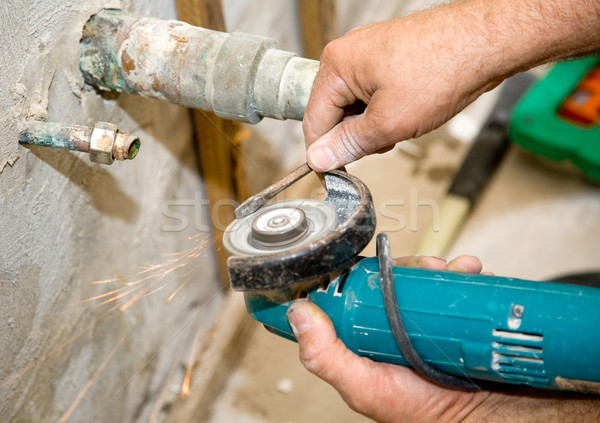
x=487, y=409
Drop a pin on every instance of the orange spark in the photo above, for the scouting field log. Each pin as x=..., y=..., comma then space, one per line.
x=151, y=274
x=145, y=282
x=135, y=298
x=103, y=295
x=185, y=386
x=89, y=383
x=158, y=405
x=116, y=297
x=178, y=289
x=55, y=350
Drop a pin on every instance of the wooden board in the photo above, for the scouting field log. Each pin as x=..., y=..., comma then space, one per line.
x=220, y=155
x=223, y=346
x=318, y=23
x=221, y=164
x=217, y=139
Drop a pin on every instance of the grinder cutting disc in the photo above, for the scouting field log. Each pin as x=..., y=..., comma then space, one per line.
x=280, y=226
x=294, y=241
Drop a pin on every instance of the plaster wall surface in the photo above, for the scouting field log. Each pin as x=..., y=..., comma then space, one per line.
x=66, y=222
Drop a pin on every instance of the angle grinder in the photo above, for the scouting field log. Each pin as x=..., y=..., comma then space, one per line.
x=462, y=331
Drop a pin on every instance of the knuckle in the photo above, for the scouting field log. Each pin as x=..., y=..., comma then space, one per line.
x=321, y=359
x=330, y=51
x=357, y=403
x=383, y=129
x=360, y=401
x=306, y=126
x=312, y=360
x=350, y=142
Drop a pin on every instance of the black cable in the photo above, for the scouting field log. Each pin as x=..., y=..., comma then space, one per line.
x=585, y=279
x=390, y=302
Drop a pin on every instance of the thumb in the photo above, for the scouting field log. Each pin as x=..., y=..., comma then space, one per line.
x=355, y=136
x=346, y=142
x=324, y=354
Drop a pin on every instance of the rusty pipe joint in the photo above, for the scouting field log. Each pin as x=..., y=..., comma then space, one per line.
x=238, y=76
x=104, y=142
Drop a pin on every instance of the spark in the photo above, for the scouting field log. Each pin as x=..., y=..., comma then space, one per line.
x=155, y=277
x=106, y=294
x=178, y=289
x=165, y=284
x=55, y=350
x=135, y=298
x=150, y=279
x=90, y=382
x=116, y=297
x=159, y=401
x=127, y=289
x=185, y=386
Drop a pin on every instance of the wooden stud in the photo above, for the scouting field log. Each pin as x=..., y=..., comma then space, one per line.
x=223, y=346
x=204, y=13
x=221, y=162
x=216, y=138
x=222, y=168
x=318, y=23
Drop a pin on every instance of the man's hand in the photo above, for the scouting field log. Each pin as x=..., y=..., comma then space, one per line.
x=402, y=71
x=399, y=79
x=383, y=392
x=388, y=393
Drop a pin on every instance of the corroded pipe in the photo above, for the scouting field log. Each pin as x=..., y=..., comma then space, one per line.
x=103, y=142
x=238, y=76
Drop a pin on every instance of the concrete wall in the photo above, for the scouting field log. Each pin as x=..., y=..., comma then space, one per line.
x=66, y=222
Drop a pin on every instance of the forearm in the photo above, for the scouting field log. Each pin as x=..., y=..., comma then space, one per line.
x=513, y=36
x=416, y=72
x=529, y=406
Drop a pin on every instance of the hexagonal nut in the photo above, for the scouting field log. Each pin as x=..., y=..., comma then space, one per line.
x=102, y=142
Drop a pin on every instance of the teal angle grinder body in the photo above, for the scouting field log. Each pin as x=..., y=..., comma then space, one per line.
x=462, y=331
x=479, y=327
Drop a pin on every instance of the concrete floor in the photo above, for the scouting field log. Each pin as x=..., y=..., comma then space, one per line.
x=533, y=221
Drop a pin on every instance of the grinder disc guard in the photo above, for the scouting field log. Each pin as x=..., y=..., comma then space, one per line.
x=294, y=241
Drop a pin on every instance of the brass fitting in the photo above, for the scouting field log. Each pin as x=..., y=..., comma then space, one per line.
x=103, y=142
x=108, y=144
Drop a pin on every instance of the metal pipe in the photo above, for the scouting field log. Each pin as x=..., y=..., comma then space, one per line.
x=103, y=142
x=238, y=76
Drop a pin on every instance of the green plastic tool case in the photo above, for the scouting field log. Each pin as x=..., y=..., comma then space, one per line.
x=543, y=124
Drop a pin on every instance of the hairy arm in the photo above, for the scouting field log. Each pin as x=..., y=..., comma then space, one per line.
x=533, y=406
x=398, y=79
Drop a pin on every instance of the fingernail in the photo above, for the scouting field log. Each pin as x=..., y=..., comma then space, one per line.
x=322, y=157
x=299, y=320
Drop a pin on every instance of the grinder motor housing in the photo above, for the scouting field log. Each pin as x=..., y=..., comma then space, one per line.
x=543, y=334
